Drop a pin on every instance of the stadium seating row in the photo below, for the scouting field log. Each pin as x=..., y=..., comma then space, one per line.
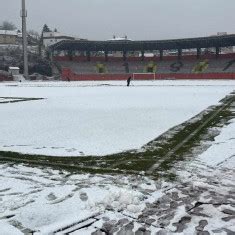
x=160, y=67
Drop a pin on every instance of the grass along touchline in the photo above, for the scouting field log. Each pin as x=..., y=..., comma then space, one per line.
x=192, y=135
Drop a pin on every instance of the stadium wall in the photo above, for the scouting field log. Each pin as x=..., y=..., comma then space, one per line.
x=68, y=75
x=5, y=78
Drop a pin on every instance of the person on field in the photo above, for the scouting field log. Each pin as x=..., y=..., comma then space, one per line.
x=129, y=81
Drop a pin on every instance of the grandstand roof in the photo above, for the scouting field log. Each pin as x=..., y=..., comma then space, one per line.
x=187, y=43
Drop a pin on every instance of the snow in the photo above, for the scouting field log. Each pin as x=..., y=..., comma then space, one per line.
x=7, y=229
x=14, y=68
x=8, y=32
x=47, y=200
x=88, y=118
x=181, y=212
x=213, y=171
x=222, y=149
x=185, y=83
x=84, y=231
x=124, y=200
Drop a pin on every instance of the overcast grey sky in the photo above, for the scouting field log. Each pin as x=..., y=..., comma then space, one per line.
x=139, y=19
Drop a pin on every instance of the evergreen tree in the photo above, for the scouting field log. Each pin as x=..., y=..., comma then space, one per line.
x=45, y=29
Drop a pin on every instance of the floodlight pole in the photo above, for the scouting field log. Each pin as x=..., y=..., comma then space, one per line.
x=25, y=43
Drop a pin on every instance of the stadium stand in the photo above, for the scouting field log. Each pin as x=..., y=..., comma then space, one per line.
x=171, y=67
x=187, y=58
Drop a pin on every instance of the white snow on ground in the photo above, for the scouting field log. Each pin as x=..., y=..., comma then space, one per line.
x=214, y=170
x=4, y=100
x=222, y=149
x=45, y=200
x=88, y=118
x=123, y=83
x=220, y=153
x=7, y=229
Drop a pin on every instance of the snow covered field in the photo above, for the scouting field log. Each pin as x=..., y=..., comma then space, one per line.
x=98, y=118
x=45, y=200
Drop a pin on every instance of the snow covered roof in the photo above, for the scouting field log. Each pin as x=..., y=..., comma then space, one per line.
x=48, y=35
x=118, y=39
x=20, y=35
x=14, y=68
x=8, y=32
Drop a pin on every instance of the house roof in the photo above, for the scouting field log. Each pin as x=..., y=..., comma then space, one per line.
x=8, y=32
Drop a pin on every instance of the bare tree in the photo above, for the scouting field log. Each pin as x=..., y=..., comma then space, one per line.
x=33, y=34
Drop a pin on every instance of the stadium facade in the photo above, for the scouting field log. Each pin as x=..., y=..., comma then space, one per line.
x=194, y=58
